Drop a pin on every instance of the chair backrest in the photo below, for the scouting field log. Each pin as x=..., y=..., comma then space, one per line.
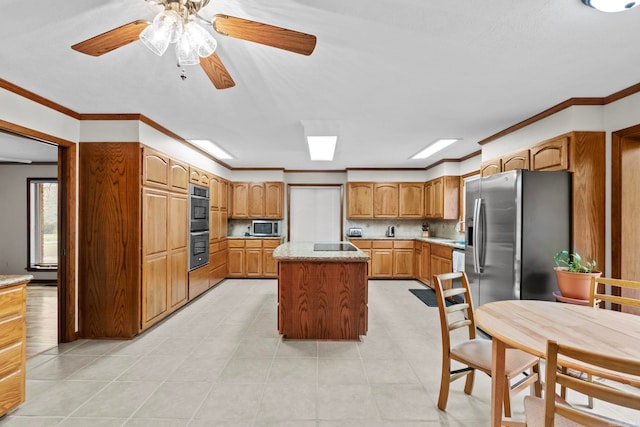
x=449, y=321
x=616, y=396
x=599, y=291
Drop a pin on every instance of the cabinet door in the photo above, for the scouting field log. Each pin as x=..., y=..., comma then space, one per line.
x=194, y=175
x=154, y=288
x=403, y=263
x=490, y=167
x=179, y=277
x=269, y=265
x=178, y=221
x=178, y=176
x=438, y=198
x=240, y=191
x=385, y=200
x=360, y=199
x=274, y=199
x=253, y=262
x=224, y=194
x=381, y=262
x=155, y=220
x=425, y=263
x=515, y=161
x=155, y=168
x=551, y=155
x=429, y=208
x=214, y=225
x=155, y=209
x=256, y=200
x=222, y=228
x=411, y=200
x=236, y=262
x=214, y=193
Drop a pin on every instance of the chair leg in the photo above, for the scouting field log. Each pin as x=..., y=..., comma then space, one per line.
x=445, y=381
x=590, y=398
x=537, y=386
x=507, y=398
x=468, y=384
x=563, y=389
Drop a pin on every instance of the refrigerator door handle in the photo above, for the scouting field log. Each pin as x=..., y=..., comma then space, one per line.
x=477, y=243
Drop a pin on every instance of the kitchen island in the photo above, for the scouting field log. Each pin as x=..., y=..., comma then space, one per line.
x=322, y=291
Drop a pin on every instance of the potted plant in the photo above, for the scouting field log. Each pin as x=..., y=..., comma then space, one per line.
x=574, y=275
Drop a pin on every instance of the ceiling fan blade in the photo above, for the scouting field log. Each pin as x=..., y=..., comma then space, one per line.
x=112, y=39
x=269, y=35
x=218, y=74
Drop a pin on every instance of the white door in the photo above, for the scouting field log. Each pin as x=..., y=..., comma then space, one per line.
x=314, y=214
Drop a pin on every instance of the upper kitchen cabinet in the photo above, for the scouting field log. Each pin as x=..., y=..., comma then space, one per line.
x=158, y=170
x=411, y=203
x=257, y=200
x=491, y=167
x=385, y=200
x=550, y=155
x=224, y=194
x=360, y=200
x=197, y=176
x=515, y=161
x=442, y=197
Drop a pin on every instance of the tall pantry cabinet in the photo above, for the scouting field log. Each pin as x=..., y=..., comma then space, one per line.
x=133, y=238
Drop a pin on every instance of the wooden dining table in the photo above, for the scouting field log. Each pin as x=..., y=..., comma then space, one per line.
x=528, y=325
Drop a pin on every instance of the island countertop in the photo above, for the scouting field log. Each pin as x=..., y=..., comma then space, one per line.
x=303, y=251
x=12, y=279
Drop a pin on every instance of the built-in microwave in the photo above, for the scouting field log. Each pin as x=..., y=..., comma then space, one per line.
x=198, y=208
x=261, y=227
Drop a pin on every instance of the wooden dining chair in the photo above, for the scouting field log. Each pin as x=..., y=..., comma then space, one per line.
x=473, y=352
x=604, y=290
x=554, y=411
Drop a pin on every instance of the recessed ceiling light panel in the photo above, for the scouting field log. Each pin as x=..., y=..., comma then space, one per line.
x=211, y=148
x=611, y=5
x=434, y=148
x=322, y=148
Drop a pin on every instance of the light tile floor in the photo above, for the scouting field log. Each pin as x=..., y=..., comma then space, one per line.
x=220, y=362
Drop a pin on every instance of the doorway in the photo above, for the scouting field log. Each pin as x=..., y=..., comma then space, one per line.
x=625, y=207
x=314, y=213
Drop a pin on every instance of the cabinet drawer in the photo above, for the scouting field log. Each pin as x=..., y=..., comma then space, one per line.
x=11, y=359
x=361, y=244
x=12, y=391
x=253, y=243
x=235, y=243
x=382, y=244
x=217, y=259
x=11, y=331
x=223, y=245
x=214, y=247
x=441, y=250
x=403, y=244
x=11, y=301
x=271, y=243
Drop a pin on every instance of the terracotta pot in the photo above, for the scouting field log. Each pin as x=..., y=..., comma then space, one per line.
x=575, y=285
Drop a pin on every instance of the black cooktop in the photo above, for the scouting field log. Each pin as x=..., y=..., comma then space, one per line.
x=334, y=247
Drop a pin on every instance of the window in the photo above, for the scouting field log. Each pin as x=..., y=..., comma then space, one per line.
x=42, y=200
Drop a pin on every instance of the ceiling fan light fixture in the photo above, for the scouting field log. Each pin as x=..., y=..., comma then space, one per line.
x=611, y=5
x=165, y=29
x=187, y=50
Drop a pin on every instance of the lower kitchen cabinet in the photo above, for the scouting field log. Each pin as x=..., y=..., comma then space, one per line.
x=382, y=258
x=441, y=261
x=403, y=255
x=424, y=263
x=13, y=341
x=364, y=246
x=252, y=258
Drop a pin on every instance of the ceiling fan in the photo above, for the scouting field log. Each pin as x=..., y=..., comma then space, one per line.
x=179, y=23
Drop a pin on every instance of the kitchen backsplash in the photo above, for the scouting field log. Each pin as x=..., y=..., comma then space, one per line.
x=237, y=227
x=446, y=229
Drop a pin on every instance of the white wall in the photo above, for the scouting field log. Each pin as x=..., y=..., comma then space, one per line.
x=13, y=217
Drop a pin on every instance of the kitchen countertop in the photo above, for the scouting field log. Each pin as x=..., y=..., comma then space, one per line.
x=303, y=251
x=437, y=240
x=12, y=279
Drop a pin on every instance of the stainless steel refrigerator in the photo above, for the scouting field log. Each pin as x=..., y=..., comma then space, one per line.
x=515, y=222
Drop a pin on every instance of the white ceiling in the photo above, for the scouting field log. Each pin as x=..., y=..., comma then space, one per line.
x=393, y=74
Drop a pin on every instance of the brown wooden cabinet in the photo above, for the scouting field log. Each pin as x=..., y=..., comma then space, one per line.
x=441, y=261
x=133, y=238
x=364, y=246
x=198, y=176
x=424, y=272
x=360, y=200
x=252, y=257
x=442, y=197
x=516, y=160
x=491, y=167
x=13, y=342
x=550, y=155
x=403, y=258
x=385, y=200
x=258, y=200
x=411, y=203
x=236, y=266
x=269, y=264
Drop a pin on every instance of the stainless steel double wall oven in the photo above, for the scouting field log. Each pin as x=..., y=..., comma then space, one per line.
x=198, y=226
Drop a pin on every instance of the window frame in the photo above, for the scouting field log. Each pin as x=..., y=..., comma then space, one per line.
x=30, y=228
